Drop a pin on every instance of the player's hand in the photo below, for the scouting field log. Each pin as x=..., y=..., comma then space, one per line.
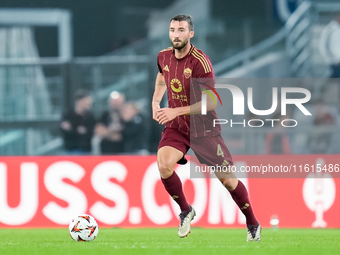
x=155, y=108
x=165, y=115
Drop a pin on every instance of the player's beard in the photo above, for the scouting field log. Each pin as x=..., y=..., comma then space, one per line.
x=180, y=46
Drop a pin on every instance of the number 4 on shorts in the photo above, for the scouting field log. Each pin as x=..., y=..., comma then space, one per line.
x=219, y=151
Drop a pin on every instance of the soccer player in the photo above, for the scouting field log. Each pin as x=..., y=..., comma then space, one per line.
x=177, y=65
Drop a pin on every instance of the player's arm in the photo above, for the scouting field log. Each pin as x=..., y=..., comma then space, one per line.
x=196, y=108
x=167, y=114
x=160, y=88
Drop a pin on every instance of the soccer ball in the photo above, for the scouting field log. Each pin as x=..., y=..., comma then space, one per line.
x=83, y=228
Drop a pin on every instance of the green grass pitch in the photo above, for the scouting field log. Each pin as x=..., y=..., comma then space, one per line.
x=165, y=241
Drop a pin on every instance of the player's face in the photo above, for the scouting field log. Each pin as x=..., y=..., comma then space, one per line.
x=180, y=34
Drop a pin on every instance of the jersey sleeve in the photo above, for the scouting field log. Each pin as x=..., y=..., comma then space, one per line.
x=204, y=68
x=204, y=71
x=158, y=65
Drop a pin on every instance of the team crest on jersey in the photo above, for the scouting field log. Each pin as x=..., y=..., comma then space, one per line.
x=166, y=68
x=176, y=85
x=187, y=72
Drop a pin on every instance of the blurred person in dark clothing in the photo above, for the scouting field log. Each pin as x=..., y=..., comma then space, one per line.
x=77, y=125
x=323, y=116
x=277, y=141
x=133, y=132
x=110, y=126
x=320, y=139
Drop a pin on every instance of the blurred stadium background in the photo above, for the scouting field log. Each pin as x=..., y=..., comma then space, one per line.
x=49, y=49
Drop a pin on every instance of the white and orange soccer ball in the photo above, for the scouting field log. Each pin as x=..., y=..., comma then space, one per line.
x=83, y=228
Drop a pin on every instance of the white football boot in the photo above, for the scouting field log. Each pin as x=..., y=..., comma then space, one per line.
x=185, y=220
x=254, y=233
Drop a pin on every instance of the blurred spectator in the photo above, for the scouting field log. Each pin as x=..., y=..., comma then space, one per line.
x=320, y=140
x=134, y=128
x=329, y=45
x=277, y=141
x=77, y=125
x=322, y=114
x=110, y=126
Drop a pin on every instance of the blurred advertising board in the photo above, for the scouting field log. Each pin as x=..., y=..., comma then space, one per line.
x=126, y=191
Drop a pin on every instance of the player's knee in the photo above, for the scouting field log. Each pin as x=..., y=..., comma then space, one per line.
x=166, y=168
x=229, y=183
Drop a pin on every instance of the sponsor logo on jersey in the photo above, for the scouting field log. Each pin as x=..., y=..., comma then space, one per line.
x=187, y=73
x=176, y=85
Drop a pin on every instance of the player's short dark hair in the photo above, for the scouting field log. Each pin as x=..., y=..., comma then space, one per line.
x=186, y=18
x=81, y=93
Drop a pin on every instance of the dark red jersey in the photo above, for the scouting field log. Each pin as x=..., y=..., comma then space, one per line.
x=183, y=90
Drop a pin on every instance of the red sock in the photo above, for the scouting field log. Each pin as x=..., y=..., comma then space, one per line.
x=173, y=186
x=241, y=198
